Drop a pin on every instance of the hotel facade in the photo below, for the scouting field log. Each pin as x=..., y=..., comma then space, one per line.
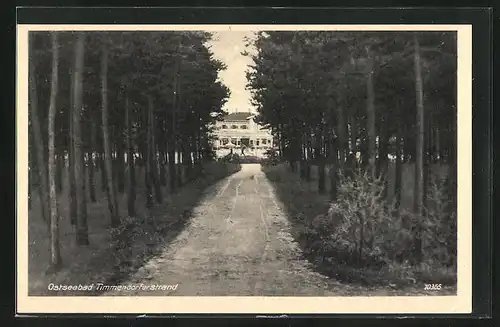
x=239, y=133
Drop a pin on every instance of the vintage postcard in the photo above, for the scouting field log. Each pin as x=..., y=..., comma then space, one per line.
x=268, y=169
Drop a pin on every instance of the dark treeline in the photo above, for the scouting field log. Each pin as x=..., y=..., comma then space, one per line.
x=105, y=103
x=359, y=100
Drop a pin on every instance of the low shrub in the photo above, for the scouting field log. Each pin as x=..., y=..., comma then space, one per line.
x=363, y=238
x=363, y=229
x=361, y=221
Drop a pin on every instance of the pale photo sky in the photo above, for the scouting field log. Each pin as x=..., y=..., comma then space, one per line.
x=227, y=47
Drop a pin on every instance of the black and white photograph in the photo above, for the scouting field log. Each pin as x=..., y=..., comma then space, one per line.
x=197, y=163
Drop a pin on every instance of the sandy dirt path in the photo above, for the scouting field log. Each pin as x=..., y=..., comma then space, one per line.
x=237, y=243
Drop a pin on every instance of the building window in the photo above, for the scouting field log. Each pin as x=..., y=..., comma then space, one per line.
x=243, y=127
x=234, y=127
x=257, y=142
x=225, y=141
x=224, y=126
x=264, y=141
x=233, y=141
x=239, y=142
x=251, y=142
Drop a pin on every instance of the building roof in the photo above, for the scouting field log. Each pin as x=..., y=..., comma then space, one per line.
x=237, y=116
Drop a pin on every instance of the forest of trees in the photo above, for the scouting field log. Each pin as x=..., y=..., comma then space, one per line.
x=102, y=104
x=110, y=105
x=359, y=100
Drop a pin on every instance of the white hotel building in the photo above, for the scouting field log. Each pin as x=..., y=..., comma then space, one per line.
x=239, y=133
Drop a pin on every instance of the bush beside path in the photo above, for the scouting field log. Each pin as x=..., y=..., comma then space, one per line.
x=318, y=229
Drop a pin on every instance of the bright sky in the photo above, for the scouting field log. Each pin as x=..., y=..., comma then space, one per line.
x=227, y=47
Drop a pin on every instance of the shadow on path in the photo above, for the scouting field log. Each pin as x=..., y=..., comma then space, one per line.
x=149, y=235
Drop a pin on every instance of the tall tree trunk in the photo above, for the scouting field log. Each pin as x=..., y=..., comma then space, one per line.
x=189, y=160
x=321, y=163
x=398, y=168
x=163, y=162
x=364, y=152
x=172, y=170
x=173, y=144
x=196, y=156
x=140, y=156
x=110, y=186
x=199, y=151
x=201, y=155
x=163, y=155
x=130, y=162
x=370, y=111
x=43, y=189
x=419, y=151
x=354, y=133
x=91, y=160
x=438, y=144
x=193, y=151
x=81, y=222
x=295, y=151
x=303, y=157
x=427, y=157
x=334, y=169
x=59, y=168
x=114, y=158
x=379, y=132
x=120, y=164
x=185, y=160
x=55, y=253
x=71, y=156
x=96, y=153
x=167, y=159
x=278, y=134
x=120, y=159
x=342, y=138
x=153, y=150
x=102, y=164
x=148, y=158
x=383, y=152
x=352, y=163
x=180, y=160
x=309, y=157
x=59, y=150
x=178, y=134
x=430, y=133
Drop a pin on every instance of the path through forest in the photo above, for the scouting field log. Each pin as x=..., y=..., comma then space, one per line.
x=237, y=243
